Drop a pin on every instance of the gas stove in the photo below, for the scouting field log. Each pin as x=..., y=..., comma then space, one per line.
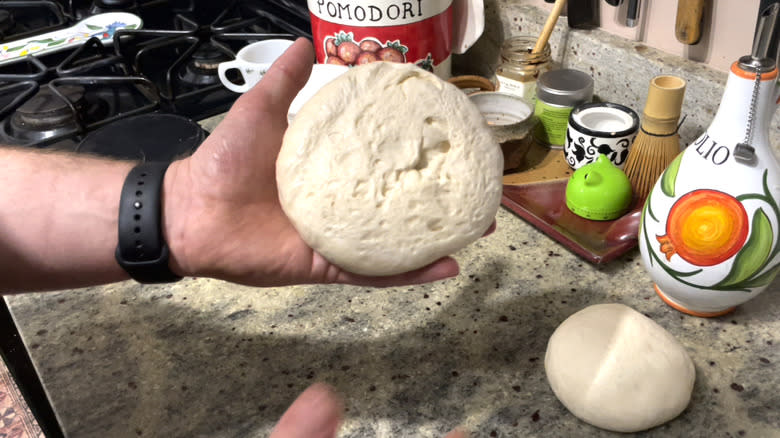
x=162, y=75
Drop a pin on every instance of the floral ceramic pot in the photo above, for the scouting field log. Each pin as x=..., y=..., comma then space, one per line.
x=710, y=229
x=600, y=128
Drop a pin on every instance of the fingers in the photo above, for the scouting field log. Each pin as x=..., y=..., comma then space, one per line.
x=440, y=269
x=315, y=414
x=279, y=86
x=457, y=433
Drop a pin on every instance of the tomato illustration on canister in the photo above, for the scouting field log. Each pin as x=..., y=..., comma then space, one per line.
x=354, y=32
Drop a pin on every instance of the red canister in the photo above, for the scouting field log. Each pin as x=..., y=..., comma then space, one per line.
x=353, y=32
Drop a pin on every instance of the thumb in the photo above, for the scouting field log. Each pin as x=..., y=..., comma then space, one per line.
x=315, y=414
x=279, y=86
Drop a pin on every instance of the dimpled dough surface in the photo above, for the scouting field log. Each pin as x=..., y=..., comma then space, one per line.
x=616, y=369
x=389, y=168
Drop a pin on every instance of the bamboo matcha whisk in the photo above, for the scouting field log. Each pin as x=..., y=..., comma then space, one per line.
x=658, y=142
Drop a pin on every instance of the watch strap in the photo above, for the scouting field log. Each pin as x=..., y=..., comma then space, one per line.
x=141, y=250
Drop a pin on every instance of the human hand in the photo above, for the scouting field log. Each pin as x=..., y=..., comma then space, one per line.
x=317, y=413
x=222, y=216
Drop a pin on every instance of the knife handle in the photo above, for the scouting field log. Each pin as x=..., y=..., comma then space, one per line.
x=582, y=14
x=632, y=13
x=687, y=27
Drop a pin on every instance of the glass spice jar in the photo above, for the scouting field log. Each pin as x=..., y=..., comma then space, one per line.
x=519, y=68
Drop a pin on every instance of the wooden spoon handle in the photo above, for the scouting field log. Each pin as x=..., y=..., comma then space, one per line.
x=687, y=27
x=549, y=25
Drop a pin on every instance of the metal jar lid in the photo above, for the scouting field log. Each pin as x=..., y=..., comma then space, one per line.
x=565, y=87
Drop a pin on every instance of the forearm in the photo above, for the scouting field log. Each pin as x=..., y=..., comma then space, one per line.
x=58, y=220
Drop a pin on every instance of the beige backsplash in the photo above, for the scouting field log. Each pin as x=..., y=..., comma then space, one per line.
x=727, y=28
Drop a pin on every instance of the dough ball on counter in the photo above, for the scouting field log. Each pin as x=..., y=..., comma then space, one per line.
x=389, y=168
x=616, y=369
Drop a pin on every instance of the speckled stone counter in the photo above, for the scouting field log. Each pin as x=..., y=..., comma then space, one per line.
x=204, y=358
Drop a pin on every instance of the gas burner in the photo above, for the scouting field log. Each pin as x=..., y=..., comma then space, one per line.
x=7, y=21
x=46, y=115
x=147, y=137
x=201, y=69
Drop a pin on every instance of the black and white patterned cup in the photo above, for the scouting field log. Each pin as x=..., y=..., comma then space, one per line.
x=600, y=128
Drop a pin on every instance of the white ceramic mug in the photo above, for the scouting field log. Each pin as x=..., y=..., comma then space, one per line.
x=252, y=61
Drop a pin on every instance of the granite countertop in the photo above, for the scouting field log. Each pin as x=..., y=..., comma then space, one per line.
x=208, y=358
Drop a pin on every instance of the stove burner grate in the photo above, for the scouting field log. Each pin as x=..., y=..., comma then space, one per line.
x=169, y=66
x=22, y=18
x=70, y=107
x=115, y=4
x=7, y=22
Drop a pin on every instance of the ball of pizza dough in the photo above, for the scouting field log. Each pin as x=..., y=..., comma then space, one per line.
x=389, y=168
x=616, y=369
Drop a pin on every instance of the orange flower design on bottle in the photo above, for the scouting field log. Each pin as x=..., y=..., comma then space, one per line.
x=705, y=228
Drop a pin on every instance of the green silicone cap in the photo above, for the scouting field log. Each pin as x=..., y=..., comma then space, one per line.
x=599, y=191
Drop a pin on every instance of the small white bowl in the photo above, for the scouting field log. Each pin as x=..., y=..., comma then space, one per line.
x=600, y=128
x=321, y=74
x=501, y=109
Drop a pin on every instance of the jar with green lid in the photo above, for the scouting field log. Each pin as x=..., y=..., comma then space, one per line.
x=557, y=93
x=519, y=68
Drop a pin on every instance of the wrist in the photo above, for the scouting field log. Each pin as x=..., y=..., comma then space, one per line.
x=175, y=205
x=141, y=249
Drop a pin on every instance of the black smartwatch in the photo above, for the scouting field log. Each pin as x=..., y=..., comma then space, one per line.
x=141, y=250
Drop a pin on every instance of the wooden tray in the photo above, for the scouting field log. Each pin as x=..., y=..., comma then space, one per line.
x=536, y=191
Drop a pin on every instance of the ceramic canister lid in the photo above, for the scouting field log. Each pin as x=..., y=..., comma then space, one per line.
x=566, y=87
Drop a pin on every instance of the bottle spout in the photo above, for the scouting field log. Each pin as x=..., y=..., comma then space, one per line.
x=767, y=27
